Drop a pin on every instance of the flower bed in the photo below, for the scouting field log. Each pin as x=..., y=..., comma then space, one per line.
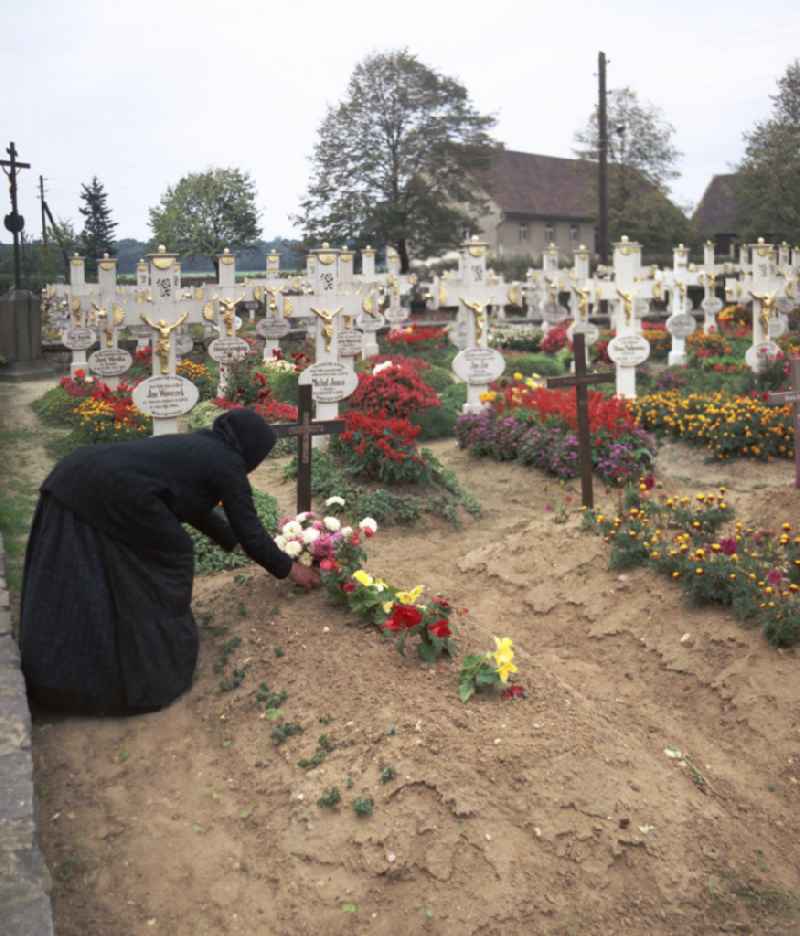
x=755, y=573
x=729, y=426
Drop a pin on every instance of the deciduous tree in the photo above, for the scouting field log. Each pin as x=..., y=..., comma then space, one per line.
x=768, y=179
x=206, y=212
x=393, y=160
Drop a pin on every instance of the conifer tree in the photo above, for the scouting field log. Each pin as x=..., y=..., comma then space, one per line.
x=97, y=236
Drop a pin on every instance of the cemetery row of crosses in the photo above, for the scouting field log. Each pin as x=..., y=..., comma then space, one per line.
x=705, y=352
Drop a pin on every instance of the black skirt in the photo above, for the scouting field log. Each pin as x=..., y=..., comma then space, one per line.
x=105, y=627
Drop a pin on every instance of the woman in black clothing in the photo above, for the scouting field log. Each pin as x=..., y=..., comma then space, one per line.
x=107, y=624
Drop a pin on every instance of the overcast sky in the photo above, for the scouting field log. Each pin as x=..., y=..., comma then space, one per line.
x=141, y=93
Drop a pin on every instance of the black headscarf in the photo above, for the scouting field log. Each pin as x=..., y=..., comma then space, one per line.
x=246, y=433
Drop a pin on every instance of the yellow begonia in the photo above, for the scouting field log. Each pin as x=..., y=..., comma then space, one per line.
x=504, y=653
x=410, y=597
x=504, y=671
x=363, y=578
x=387, y=607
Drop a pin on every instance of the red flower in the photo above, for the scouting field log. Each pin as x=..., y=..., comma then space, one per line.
x=440, y=629
x=649, y=482
x=514, y=691
x=441, y=602
x=348, y=587
x=404, y=617
x=329, y=565
x=80, y=374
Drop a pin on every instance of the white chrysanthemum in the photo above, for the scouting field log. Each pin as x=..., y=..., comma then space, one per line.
x=368, y=524
x=311, y=535
x=346, y=531
x=280, y=542
x=380, y=367
x=332, y=524
x=305, y=559
x=334, y=500
x=302, y=517
x=293, y=549
x=292, y=528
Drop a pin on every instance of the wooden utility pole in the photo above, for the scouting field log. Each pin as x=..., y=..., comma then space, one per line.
x=14, y=222
x=44, y=216
x=602, y=160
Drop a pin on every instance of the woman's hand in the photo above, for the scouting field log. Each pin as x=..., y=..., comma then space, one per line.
x=307, y=576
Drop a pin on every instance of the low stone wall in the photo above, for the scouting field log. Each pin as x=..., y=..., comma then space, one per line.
x=24, y=880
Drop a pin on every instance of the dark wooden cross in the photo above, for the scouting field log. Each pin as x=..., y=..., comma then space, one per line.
x=581, y=380
x=792, y=396
x=14, y=222
x=303, y=430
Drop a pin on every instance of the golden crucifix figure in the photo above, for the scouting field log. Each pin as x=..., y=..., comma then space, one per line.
x=627, y=304
x=767, y=308
x=709, y=279
x=368, y=306
x=75, y=308
x=326, y=317
x=229, y=315
x=101, y=322
x=583, y=301
x=480, y=319
x=272, y=304
x=208, y=311
x=165, y=330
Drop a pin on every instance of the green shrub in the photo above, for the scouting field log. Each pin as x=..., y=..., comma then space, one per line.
x=56, y=407
x=440, y=378
x=283, y=384
x=203, y=415
x=545, y=365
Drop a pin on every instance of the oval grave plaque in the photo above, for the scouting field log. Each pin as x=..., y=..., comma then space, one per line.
x=712, y=306
x=629, y=350
x=370, y=323
x=330, y=381
x=79, y=339
x=478, y=366
x=681, y=325
x=351, y=342
x=777, y=326
x=110, y=362
x=184, y=344
x=228, y=350
x=588, y=329
x=396, y=316
x=758, y=354
x=166, y=396
x=273, y=328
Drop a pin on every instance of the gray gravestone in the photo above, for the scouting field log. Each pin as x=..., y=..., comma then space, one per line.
x=21, y=336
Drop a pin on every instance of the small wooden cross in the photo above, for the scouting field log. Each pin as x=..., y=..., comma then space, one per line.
x=582, y=380
x=792, y=396
x=303, y=430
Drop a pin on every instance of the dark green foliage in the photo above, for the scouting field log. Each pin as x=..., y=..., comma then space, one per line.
x=330, y=798
x=283, y=384
x=284, y=731
x=210, y=558
x=412, y=183
x=439, y=421
x=324, y=747
x=229, y=683
x=445, y=499
x=545, y=365
x=206, y=212
x=269, y=699
x=97, y=237
x=363, y=805
x=55, y=407
x=388, y=774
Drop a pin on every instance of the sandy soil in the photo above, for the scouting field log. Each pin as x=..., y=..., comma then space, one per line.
x=560, y=814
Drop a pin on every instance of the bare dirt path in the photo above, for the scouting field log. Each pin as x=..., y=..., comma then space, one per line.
x=561, y=814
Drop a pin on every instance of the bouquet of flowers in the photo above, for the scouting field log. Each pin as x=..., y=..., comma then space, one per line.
x=490, y=669
x=316, y=539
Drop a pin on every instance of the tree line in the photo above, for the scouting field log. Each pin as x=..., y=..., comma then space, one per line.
x=397, y=159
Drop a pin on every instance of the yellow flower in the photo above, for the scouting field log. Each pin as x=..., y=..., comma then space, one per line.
x=379, y=584
x=363, y=578
x=387, y=607
x=517, y=375
x=504, y=653
x=504, y=670
x=410, y=597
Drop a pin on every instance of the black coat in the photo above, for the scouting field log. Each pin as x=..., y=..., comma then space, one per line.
x=106, y=619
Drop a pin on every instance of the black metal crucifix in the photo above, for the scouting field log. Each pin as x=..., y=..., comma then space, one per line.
x=14, y=222
x=303, y=430
x=581, y=380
